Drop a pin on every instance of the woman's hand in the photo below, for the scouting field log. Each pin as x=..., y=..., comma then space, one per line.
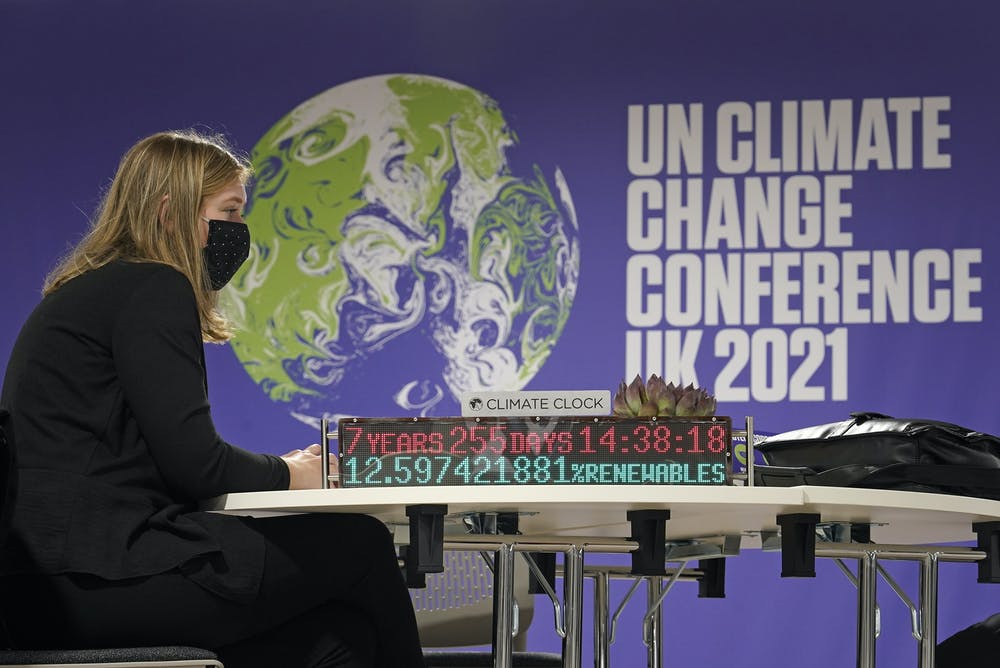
x=305, y=467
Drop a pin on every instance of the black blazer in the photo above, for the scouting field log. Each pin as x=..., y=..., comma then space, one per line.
x=114, y=438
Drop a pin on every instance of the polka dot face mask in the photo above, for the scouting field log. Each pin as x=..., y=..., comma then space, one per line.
x=227, y=248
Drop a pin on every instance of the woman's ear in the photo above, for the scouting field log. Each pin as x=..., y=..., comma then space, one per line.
x=162, y=211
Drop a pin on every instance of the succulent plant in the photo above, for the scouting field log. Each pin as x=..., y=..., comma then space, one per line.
x=656, y=397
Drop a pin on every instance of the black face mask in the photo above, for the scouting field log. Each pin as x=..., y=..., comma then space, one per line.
x=227, y=248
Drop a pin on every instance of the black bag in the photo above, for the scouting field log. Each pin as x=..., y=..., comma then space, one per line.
x=877, y=451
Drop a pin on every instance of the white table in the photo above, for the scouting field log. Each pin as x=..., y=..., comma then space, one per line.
x=575, y=520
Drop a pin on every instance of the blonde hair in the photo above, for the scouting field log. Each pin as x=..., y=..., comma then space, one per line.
x=184, y=167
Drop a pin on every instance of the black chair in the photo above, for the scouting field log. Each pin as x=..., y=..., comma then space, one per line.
x=118, y=657
x=455, y=610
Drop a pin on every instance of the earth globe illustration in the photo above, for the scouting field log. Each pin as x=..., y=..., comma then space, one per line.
x=398, y=261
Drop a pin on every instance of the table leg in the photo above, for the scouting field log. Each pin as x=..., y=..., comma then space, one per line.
x=601, y=644
x=503, y=596
x=573, y=594
x=653, y=631
x=928, y=609
x=867, y=574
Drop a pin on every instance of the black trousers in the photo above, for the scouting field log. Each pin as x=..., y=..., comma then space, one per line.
x=332, y=595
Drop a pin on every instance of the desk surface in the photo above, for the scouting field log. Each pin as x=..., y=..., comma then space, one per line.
x=695, y=512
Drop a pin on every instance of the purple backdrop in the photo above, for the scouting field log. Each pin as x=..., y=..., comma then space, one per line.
x=898, y=96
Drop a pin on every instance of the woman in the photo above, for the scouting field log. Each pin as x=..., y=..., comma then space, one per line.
x=115, y=443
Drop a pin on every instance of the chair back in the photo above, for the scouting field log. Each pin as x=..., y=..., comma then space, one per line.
x=455, y=609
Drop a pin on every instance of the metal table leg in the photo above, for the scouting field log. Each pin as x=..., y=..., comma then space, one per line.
x=868, y=557
x=867, y=571
x=573, y=594
x=928, y=609
x=503, y=593
x=653, y=631
x=601, y=639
